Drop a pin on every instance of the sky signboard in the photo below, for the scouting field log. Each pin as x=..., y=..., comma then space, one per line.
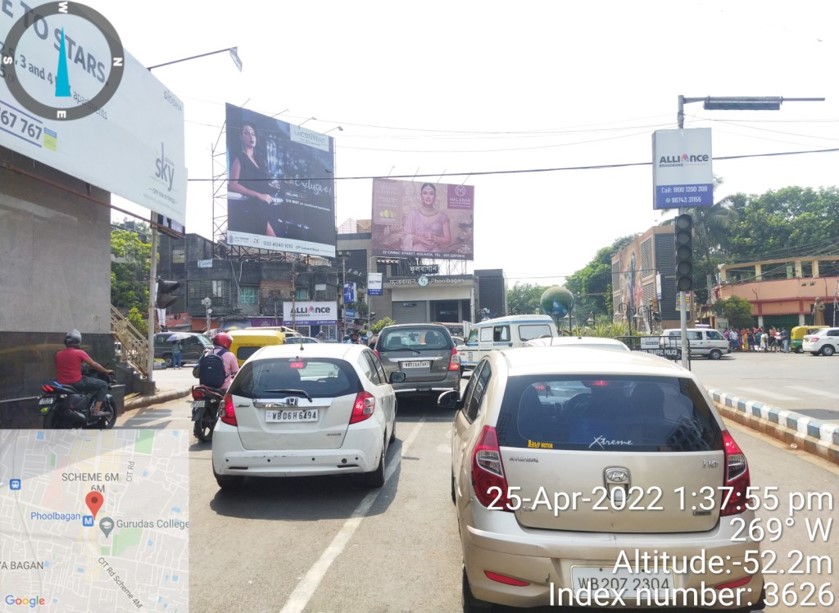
x=280, y=186
x=73, y=99
x=310, y=313
x=415, y=219
x=682, y=175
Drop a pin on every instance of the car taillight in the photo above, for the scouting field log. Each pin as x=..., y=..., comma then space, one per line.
x=228, y=413
x=488, y=480
x=737, y=479
x=363, y=407
x=454, y=361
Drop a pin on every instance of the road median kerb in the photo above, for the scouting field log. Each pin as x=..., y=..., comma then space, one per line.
x=139, y=402
x=812, y=435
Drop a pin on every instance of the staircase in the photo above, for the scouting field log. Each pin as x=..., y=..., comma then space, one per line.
x=135, y=346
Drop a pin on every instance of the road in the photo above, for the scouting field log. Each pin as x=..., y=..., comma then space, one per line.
x=327, y=544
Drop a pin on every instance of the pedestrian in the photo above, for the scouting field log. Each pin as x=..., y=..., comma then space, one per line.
x=732, y=338
x=785, y=340
x=177, y=354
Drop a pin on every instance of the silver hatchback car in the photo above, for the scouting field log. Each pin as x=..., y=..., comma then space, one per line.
x=607, y=478
x=425, y=353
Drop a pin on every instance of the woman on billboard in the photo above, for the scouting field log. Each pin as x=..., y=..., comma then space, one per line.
x=249, y=179
x=426, y=229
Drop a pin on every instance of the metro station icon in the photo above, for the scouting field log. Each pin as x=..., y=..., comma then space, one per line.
x=14, y=484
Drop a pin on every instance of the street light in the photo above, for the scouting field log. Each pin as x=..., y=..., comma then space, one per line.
x=339, y=128
x=308, y=120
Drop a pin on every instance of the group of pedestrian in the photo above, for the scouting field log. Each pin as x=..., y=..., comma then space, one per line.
x=772, y=340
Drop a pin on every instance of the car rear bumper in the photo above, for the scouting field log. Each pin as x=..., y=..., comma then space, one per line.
x=359, y=453
x=545, y=559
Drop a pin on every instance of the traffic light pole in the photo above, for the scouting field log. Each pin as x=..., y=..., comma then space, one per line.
x=152, y=296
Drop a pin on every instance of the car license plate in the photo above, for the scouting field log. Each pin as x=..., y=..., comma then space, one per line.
x=46, y=401
x=423, y=364
x=620, y=580
x=294, y=416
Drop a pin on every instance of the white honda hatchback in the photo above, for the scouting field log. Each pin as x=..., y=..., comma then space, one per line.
x=599, y=478
x=306, y=409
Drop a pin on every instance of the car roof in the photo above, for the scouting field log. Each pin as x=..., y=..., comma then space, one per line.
x=585, y=360
x=578, y=341
x=423, y=326
x=342, y=351
x=514, y=318
x=258, y=333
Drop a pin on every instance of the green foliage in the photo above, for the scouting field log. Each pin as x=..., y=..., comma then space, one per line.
x=737, y=310
x=592, y=285
x=130, y=266
x=523, y=299
x=138, y=320
x=376, y=327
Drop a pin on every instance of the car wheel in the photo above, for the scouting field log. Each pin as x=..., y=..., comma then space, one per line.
x=393, y=429
x=828, y=350
x=228, y=482
x=469, y=602
x=377, y=477
x=715, y=354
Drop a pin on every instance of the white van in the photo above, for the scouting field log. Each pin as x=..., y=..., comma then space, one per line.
x=503, y=332
x=705, y=342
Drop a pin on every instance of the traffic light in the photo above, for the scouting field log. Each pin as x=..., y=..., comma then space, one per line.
x=684, y=253
x=164, y=296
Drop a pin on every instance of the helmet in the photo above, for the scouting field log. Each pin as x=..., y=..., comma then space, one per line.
x=223, y=340
x=73, y=338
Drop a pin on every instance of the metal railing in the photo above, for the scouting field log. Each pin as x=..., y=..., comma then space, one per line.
x=135, y=346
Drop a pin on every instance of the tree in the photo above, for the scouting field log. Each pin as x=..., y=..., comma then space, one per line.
x=592, y=286
x=523, y=299
x=737, y=310
x=130, y=266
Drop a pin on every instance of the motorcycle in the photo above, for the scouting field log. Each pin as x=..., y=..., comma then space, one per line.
x=206, y=402
x=63, y=406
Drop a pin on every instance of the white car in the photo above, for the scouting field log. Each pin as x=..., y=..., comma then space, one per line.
x=823, y=342
x=313, y=409
x=571, y=466
x=590, y=342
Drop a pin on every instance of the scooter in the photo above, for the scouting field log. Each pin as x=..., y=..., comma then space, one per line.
x=206, y=402
x=63, y=406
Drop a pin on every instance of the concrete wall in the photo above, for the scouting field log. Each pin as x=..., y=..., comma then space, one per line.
x=55, y=269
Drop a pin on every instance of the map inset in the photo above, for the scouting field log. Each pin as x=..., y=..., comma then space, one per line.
x=94, y=520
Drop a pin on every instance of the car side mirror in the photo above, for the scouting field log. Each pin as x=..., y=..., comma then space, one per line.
x=450, y=400
x=398, y=376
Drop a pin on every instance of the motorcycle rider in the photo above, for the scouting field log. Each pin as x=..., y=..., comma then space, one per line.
x=231, y=364
x=68, y=370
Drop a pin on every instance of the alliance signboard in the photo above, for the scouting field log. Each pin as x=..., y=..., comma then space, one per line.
x=304, y=312
x=682, y=175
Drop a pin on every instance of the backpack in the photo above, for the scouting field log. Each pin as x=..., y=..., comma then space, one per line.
x=211, y=371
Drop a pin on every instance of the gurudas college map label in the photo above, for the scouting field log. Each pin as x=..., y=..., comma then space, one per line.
x=94, y=520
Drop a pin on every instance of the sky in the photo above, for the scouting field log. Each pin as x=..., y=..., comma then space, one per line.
x=546, y=107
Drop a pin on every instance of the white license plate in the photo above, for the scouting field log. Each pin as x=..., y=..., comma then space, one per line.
x=295, y=416
x=424, y=364
x=45, y=401
x=620, y=580
x=198, y=404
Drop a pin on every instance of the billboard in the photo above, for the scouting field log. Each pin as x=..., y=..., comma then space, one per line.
x=280, y=186
x=71, y=98
x=682, y=175
x=310, y=313
x=432, y=220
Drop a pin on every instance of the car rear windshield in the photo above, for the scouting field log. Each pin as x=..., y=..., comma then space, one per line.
x=318, y=377
x=607, y=414
x=414, y=338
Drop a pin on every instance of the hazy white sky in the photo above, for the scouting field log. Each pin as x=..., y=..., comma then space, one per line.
x=488, y=93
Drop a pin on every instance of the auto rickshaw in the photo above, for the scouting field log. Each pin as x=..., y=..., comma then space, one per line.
x=797, y=334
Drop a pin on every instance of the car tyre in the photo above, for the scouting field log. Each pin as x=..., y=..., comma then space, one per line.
x=828, y=350
x=715, y=354
x=377, y=477
x=468, y=600
x=228, y=482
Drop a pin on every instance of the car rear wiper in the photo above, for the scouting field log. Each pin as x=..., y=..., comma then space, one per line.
x=291, y=392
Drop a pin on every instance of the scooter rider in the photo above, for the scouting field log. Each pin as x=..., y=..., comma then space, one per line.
x=231, y=364
x=68, y=370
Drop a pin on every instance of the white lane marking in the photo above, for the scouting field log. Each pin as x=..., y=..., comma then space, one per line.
x=311, y=581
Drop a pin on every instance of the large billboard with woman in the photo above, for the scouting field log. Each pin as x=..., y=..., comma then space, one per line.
x=424, y=220
x=280, y=190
